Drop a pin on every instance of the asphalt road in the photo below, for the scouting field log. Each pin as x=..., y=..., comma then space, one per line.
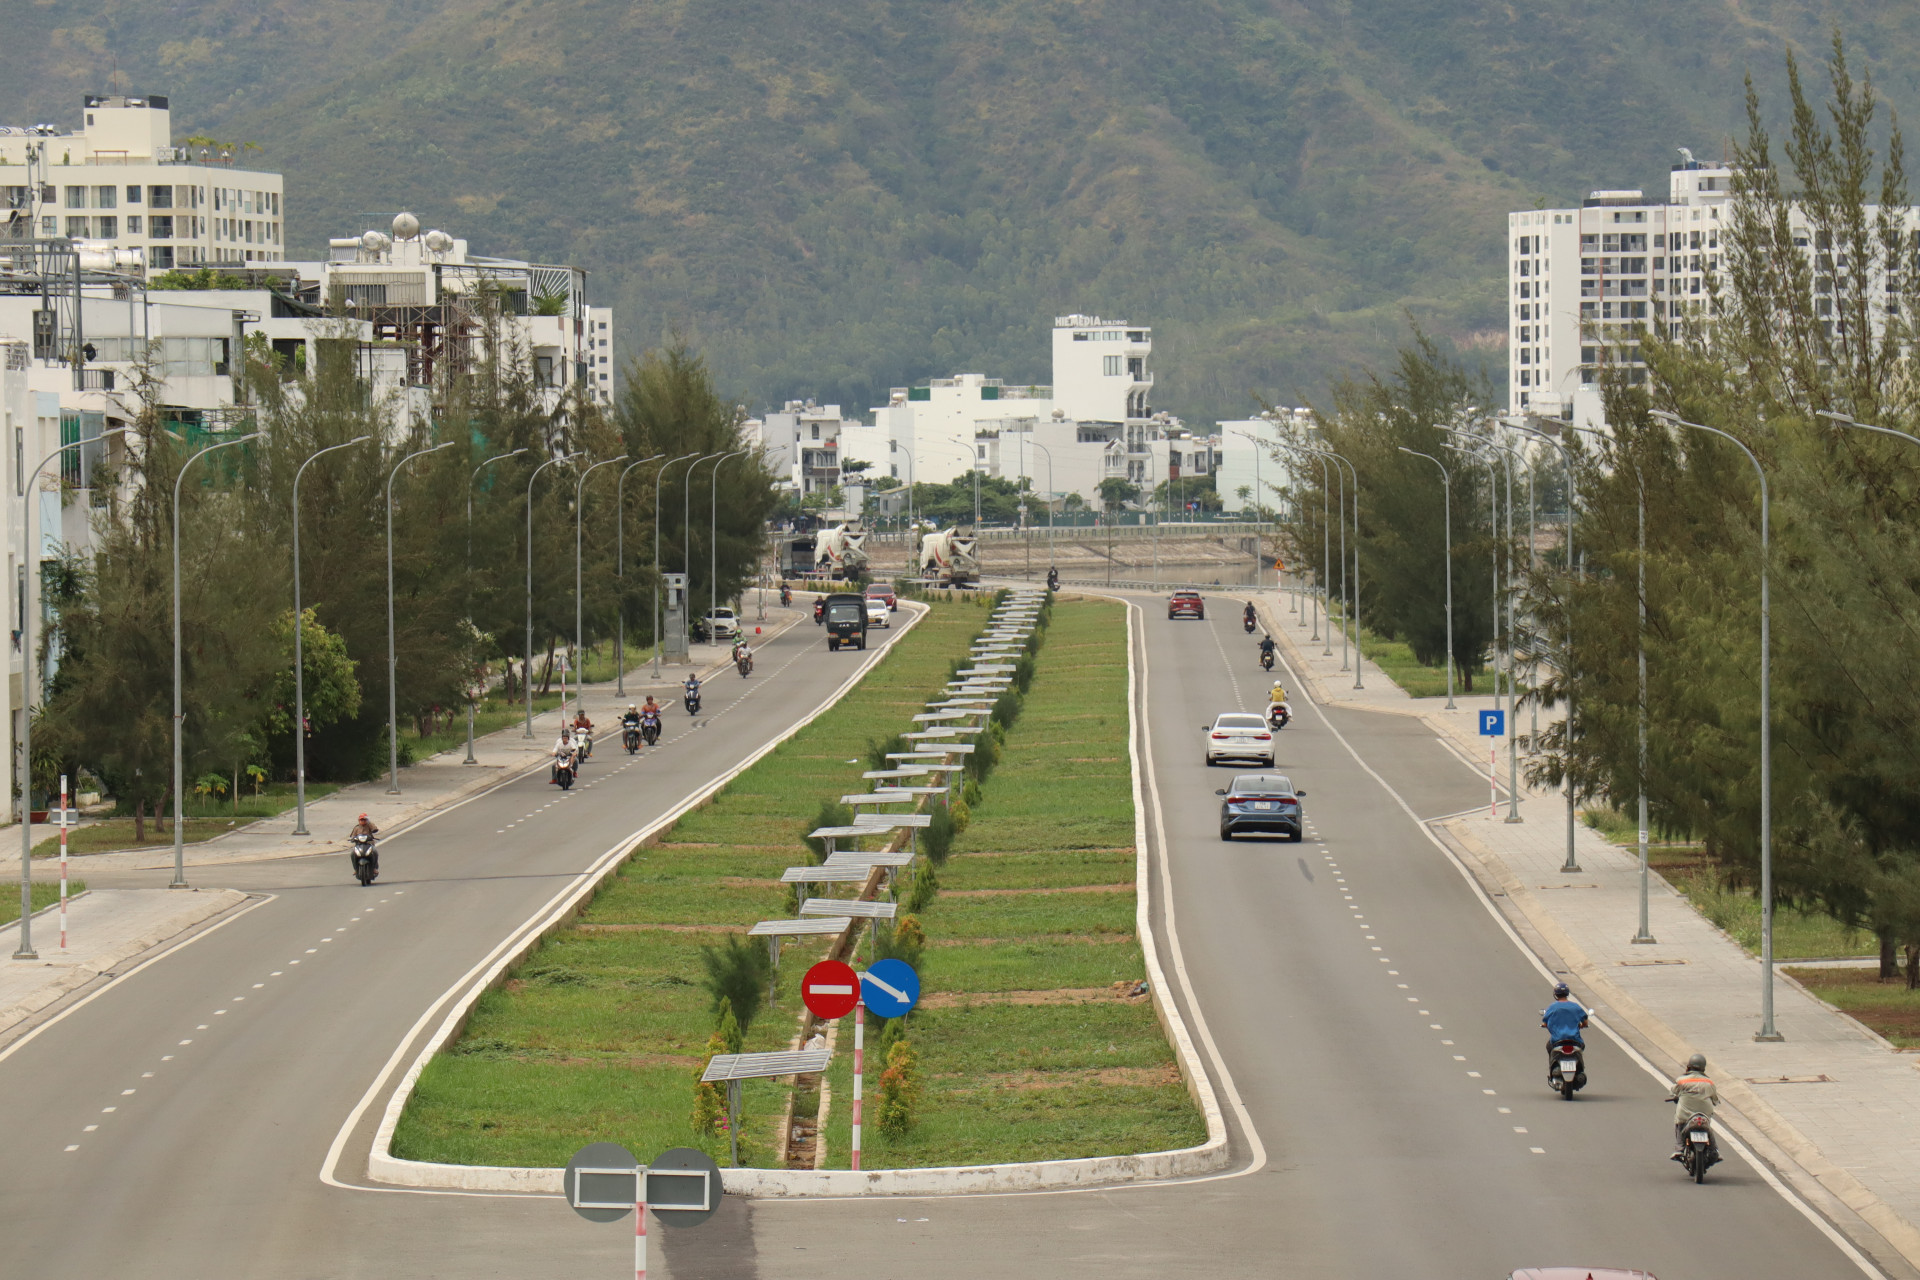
x=1378, y=1027
x=1383, y=1033
x=176, y=1125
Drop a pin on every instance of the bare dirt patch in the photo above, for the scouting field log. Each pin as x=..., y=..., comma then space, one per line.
x=1121, y=992
x=1030, y=1081
x=1072, y=888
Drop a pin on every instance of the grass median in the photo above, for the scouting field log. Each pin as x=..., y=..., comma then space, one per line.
x=597, y=1034
x=45, y=894
x=1031, y=1039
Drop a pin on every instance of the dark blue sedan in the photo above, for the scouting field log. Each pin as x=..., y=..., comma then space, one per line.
x=1265, y=803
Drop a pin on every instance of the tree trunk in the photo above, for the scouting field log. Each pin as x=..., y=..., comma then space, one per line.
x=546, y=672
x=1889, y=967
x=139, y=821
x=1913, y=966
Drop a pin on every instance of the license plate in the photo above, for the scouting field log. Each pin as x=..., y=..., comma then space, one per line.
x=1698, y=1139
x=1264, y=804
x=1568, y=1066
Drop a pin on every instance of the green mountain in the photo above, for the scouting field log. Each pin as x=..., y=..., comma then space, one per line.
x=836, y=196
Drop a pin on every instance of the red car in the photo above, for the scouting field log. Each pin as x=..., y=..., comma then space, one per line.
x=1186, y=604
x=883, y=591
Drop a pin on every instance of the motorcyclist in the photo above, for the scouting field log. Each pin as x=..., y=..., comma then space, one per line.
x=630, y=722
x=1277, y=694
x=1266, y=650
x=786, y=595
x=1564, y=1019
x=1053, y=579
x=1693, y=1095
x=743, y=655
x=364, y=827
x=1248, y=616
x=1277, y=707
x=691, y=691
x=583, y=734
x=652, y=708
x=563, y=750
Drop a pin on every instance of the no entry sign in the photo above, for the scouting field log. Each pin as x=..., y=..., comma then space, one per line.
x=830, y=990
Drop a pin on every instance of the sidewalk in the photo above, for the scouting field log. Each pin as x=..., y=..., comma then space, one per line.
x=1834, y=1098
x=426, y=786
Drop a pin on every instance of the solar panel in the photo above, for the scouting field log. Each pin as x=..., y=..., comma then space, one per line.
x=763, y=1066
x=828, y=874
x=899, y=859
x=908, y=771
x=844, y=907
x=895, y=821
x=835, y=833
x=798, y=928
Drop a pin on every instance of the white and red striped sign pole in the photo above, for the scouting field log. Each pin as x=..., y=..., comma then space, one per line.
x=640, y=1223
x=63, y=861
x=1493, y=785
x=859, y=1072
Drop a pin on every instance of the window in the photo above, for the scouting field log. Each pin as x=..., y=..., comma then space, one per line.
x=133, y=224
x=106, y=228
x=1109, y=365
x=107, y=197
x=77, y=228
x=543, y=371
x=160, y=228
x=160, y=197
x=133, y=193
x=76, y=197
x=48, y=227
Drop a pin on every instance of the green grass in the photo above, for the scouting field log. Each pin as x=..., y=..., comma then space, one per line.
x=596, y=1035
x=1797, y=934
x=1887, y=1007
x=1019, y=1078
x=207, y=817
x=45, y=894
x=1396, y=659
x=489, y=716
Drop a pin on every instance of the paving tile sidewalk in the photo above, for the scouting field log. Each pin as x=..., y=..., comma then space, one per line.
x=105, y=928
x=425, y=787
x=1855, y=1133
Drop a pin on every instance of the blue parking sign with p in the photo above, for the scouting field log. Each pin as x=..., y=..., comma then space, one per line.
x=1493, y=724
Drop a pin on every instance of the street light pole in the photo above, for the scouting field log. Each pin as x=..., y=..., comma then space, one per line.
x=527, y=672
x=393, y=696
x=1768, y=1032
x=659, y=479
x=1571, y=865
x=579, y=607
x=686, y=532
x=299, y=650
x=1446, y=488
x=713, y=538
x=475, y=475
x=620, y=572
x=1352, y=592
x=179, y=714
x=1326, y=561
x=29, y=513
x=1050, y=495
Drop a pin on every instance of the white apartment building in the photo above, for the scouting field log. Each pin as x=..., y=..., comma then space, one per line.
x=1581, y=280
x=1100, y=369
x=117, y=183
x=802, y=445
x=1247, y=459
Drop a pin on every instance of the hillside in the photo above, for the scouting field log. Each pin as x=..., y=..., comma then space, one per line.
x=837, y=196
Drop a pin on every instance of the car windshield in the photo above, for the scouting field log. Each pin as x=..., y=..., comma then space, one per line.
x=1186, y=595
x=1240, y=722
x=843, y=613
x=1262, y=784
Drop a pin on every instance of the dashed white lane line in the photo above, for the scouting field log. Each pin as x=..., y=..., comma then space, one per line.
x=126, y=1093
x=74, y=1147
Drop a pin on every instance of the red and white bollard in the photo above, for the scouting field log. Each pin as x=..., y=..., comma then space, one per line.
x=859, y=1072
x=63, y=861
x=640, y=1224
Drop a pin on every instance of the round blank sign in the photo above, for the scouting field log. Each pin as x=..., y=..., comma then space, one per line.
x=683, y=1187
x=598, y=1178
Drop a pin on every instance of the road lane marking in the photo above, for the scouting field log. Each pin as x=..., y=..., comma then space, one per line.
x=92, y=1128
x=75, y=1147
x=125, y=1093
x=1539, y=1151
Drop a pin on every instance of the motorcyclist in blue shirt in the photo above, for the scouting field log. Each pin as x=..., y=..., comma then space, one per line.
x=1564, y=1019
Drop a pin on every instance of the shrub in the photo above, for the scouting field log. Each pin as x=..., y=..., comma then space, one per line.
x=1006, y=709
x=899, y=1089
x=961, y=815
x=877, y=750
x=709, y=1104
x=1023, y=668
x=971, y=794
x=728, y=1028
x=832, y=814
x=937, y=840
x=904, y=940
x=925, y=885
x=736, y=978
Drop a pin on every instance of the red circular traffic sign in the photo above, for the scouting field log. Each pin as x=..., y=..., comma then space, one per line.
x=831, y=989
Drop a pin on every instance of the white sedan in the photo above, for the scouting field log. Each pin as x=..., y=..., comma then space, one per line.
x=877, y=613
x=1235, y=735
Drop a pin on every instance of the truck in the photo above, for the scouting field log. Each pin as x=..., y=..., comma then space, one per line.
x=947, y=557
x=845, y=616
x=840, y=552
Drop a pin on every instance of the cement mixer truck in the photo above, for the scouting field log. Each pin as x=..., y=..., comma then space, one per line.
x=947, y=558
x=840, y=552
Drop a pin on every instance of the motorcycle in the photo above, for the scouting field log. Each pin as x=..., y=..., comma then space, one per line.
x=1566, y=1068
x=582, y=747
x=365, y=857
x=786, y=595
x=1698, y=1151
x=1278, y=715
x=650, y=727
x=630, y=738
x=1053, y=579
x=692, y=700
x=563, y=771
x=1247, y=622
x=745, y=662
x=819, y=611
x=1266, y=659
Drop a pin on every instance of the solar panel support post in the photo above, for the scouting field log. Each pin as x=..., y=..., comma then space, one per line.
x=733, y=1123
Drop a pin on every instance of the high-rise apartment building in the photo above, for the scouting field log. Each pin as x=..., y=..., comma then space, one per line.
x=119, y=184
x=1581, y=281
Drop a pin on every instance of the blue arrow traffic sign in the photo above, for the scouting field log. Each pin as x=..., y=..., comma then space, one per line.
x=890, y=988
x=1493, y=724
